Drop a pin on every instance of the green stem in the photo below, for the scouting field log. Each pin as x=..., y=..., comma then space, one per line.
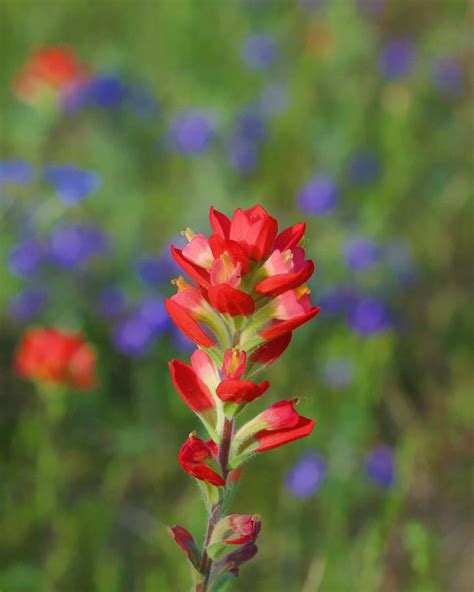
x=217, y=509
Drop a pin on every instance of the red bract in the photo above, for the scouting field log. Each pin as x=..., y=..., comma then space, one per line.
x=268, y=439
x=224, y=298
x=194, y=456
x=184, y=321
x=277, y=425
x=52, y=356
x=193, y=392
x=240, y=391
x=270, y=351
x=49, y=67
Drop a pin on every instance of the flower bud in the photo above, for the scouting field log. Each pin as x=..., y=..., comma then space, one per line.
x=235, y=529
x=234, y=364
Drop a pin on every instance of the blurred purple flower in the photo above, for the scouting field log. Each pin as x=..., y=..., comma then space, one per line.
x=133, y=337
x=338, y=373
x=447, y=76
x=243, y=155
x=337, y=300
x=191, y=132
x=318, y=196
x=369, y=316
x=363, y=168
x=112, y=302
x=259, y=51
x=107, y=92
x=72, y=245
x=251, y=126
x=380, y=466
x=397, y=58
x=306, y=476
x=26, y=257
x=72, y=185
x=27, y=304
x=371, y=8
x=152, y=271
x=153, y=312
x=15, y=171
x=361, y=254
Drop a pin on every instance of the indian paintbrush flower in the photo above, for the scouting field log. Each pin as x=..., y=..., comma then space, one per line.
x=248, y=295
x=54, y=357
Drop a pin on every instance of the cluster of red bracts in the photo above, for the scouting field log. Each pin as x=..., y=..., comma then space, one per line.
x=249, y=295
x=244, y=270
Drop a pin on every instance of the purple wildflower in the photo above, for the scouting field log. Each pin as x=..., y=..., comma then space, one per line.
x=72, y=185
x=72, y=245
x=380, y=466
x=152, y=310
x=26, y=257
x=191, y=132
x=18, y=172
x=318, y=196
x=361, y=254
x=447, y=76
x=259, y=51
x=369, y=316
x=306, y=477
x=27, y=304
x=243, y=155
x=133, y=337
x=112, y=302
x=152, y=271
x=397, y=58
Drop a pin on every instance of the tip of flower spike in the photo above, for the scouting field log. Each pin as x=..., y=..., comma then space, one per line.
x=189, y=234
x=294, y=401
x=193, y=435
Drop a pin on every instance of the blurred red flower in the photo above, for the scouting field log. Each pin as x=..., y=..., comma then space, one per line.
x=52, y=356
x=53, y=68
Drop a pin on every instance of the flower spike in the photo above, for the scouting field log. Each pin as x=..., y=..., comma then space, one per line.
x=249, y=296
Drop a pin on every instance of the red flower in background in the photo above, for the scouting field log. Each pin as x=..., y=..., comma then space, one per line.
x=53, y=68
x=52, y=356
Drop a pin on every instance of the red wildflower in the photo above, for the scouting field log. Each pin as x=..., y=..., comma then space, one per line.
x=53, y=356
x=48, y=67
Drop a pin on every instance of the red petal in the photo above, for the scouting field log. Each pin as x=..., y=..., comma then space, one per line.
x=224, y=298
x=270, y=351
x=268, y=439
x=197, y=273
x=193, y=392
x=184, y=321
x=220, y=224
x=290, y=237
x=282, y=282
x=290, y=325
x=240, y=391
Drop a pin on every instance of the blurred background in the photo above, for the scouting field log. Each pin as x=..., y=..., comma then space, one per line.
x=354, y=116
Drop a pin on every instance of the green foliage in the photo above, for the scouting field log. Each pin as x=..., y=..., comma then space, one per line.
x=86, y=490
